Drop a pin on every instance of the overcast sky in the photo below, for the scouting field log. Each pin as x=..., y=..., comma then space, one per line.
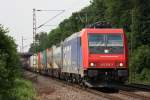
x=17, y=15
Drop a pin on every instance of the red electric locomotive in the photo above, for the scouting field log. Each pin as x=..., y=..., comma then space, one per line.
x=105, y=56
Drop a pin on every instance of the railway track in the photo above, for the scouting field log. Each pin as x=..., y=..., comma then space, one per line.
x=131, y=94
x=126, y=91
x=139, y=86
x=130, y=90
x=94, y=91
x=78, y=88
x=105, y=95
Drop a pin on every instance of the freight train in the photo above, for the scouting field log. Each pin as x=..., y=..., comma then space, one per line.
x=97, y=56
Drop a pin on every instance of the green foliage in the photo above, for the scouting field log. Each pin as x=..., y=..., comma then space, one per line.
x=11, y=88
x=41, y=42
x=118, y=12
x=139, y=63
x=23, y=90
x=140, y=23
x=9, y=59
x=33, y=48
x=54, y=37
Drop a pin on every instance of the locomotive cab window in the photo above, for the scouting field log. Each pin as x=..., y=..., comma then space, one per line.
x=96, y=43
x=105, y=43
x=115, y=43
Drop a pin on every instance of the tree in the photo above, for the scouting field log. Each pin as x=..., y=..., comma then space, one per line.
x=9, y=68
x=118, y=12
x=139, y=63
x=43, y=41
x=40, y=44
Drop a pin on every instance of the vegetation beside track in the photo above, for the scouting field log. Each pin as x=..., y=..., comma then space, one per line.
x=12, y=86
x=23, y=90
x=140, y=65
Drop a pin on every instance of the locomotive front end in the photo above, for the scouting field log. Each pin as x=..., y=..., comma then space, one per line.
x=107, y=60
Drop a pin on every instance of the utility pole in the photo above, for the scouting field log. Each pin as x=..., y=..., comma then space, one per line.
x=34, y=34
x=132, y=41
x=34, y=29
x=132, y=14
x=22, y=45
x=20, y=49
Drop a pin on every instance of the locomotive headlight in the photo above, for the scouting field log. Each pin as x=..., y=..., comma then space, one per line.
x=92, y=64
x=121, y=64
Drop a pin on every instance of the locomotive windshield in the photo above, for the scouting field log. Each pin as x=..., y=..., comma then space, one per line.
x=105, y=44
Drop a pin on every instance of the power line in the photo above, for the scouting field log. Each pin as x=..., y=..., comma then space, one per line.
x=34, y=23
x=49, y=10
x=62, y=11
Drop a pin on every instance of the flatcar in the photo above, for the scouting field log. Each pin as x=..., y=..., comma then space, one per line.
x=97, y=56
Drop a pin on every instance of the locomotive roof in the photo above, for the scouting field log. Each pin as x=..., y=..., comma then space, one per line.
x=77, y=34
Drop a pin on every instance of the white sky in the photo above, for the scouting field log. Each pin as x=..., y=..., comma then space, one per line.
x=17, y=16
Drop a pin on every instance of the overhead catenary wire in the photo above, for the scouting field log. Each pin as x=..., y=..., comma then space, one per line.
x=49, y=10
x=62, y=11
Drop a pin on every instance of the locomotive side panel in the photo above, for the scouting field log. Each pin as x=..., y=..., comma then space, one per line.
x=72, y=54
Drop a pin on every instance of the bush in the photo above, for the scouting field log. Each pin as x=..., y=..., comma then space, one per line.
x=11, y=86
x=23, y=90
x=9, y=68
x=140, y=65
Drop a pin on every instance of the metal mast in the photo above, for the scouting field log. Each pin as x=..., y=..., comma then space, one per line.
x=22, y=45
x=34, y=29
x=34, y=34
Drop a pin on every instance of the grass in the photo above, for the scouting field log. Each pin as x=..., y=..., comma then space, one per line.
x=24, y=90
x=138, y=79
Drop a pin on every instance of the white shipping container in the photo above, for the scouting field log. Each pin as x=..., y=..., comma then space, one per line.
x=31, y=61
x=34, y=61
